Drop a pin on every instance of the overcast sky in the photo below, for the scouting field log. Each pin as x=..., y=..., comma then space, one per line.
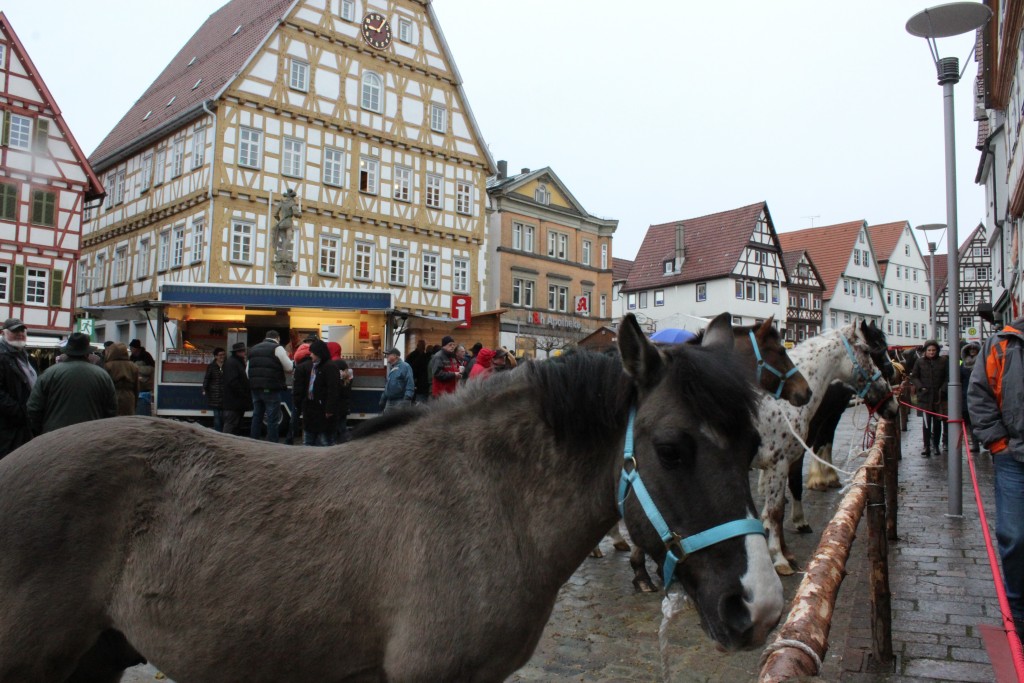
x=829, y=111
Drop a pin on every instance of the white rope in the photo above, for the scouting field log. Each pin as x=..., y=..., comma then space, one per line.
x=799, y=645
x=809, y=452
x=671, y=605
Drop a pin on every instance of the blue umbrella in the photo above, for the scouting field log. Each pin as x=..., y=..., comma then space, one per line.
x=672, y=335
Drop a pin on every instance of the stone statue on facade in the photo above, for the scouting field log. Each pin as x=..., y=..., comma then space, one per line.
x=286, y=210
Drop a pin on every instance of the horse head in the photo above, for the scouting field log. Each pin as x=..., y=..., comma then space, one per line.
x=692, y=511
x=879, y=397
x=777, y=374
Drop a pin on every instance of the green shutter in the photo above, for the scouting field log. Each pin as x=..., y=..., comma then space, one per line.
x=18, y=285
x=56, y=287
x=41, y=135
x=8, y=201
x=6, y=139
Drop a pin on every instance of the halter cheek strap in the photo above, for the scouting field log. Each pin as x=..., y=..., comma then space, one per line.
x=762, y=365
x=677, y=548
x=862, y=374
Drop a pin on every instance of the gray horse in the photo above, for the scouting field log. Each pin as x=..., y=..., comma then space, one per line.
x=430, y=550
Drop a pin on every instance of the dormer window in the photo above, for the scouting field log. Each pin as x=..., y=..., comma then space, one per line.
x=541, y=195
x=670, y=267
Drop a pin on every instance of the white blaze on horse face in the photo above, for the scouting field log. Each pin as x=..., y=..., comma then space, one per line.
x=714, y=436
x=761, y=583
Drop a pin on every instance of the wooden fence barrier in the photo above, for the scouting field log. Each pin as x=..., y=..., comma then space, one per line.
x=810, y=616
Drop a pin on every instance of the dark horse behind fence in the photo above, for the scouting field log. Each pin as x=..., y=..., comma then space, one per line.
x=431, y=550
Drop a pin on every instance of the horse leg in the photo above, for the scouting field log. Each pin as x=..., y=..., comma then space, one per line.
x=641, y=579
x=774, y=484
x=821, y=477
x=618, y=542
x=106, y=660
x=796, y=489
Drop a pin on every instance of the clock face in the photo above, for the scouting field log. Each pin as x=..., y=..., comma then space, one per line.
x=376, y=30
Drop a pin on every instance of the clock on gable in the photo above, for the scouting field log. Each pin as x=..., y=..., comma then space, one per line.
x=376, y=30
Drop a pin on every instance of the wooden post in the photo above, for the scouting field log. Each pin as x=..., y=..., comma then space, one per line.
x=891, y=457
x=878, y=554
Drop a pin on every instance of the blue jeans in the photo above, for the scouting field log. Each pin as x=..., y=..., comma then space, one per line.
x=218, y=419
x=266, y=403
x=317, y=438
x=288, y=400
x=144, y=403
x=1010, y=529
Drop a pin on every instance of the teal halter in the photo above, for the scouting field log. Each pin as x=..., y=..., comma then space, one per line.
x=862, y=374
x=677, y=548
x=762, y=365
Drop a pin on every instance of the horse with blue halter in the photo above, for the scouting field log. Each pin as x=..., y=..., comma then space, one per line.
x=430, y=549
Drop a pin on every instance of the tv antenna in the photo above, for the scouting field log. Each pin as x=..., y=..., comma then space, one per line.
x=812, y=218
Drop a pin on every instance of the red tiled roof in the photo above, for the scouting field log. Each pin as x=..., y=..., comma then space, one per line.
x=829, y=245
x=713, y=245
x=791, y=259
x=620, y=269
x=219, y=54
x=884, y=239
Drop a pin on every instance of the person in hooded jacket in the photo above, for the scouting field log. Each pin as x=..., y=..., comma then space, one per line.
x=125, y=375
x=341, y=435
x=482, y=364
x=315, y=391
x=930, y=378
x=968, y=358
x=237, y=396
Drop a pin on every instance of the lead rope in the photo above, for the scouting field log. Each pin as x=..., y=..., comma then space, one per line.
x=671, y=605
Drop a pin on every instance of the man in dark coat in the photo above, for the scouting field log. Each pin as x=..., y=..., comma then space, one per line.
x=316, y=390
x=419, y=360
x=268, y=368
x=18, y=373
x=71, y=392
x=930, y=378
x=237, y=396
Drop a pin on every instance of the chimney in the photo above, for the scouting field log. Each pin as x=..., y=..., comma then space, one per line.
x=525, y=171
x=502, y=169
x=680, y=249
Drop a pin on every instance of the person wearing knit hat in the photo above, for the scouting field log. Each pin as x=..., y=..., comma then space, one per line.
x=447, y=371
x=316, y=392
x=930, y=378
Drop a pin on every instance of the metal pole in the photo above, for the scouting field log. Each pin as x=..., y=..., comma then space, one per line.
x=949, y=74
x=931, y=290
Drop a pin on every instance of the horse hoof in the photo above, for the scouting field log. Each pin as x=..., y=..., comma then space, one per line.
x=596, y=552
x=815, y=486
x=622, y=546
x=834, y=484
x=784, y=569
x=804, y=529
x=644, y=586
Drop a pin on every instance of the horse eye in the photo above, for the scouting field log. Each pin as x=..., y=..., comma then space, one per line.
x=678, y=453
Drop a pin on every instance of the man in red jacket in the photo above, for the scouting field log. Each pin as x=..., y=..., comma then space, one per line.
x=447, y=369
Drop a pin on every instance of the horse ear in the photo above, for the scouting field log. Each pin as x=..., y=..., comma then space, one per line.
x=766, y=327
x=719, y=332
x=640, y=357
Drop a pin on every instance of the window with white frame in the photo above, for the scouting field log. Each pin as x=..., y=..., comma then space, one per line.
x=739, y=289
x=363, y=264
x=659, y=297
x=334, y=167
x=369, y=174
x=431, y=268
x=856, y=257
x=163, y=251
x=603, y=305
x=330, y=248
x=119, y=186
x=702, y=291
x=198, y=236
x=762, y=292
x=776, y=294
x=198, y=148
x=35, y=285
x=834, y=319
x=160, y=165
x=631, y=301
x=178, y=156
x=966, y=298
x=984, y=273
x=438, y=118
x=177, y=246
x=604, y=256
x=460, y=275
x=19, y=132
x=558, y=245
x=558, y=298
x=969, y=273
x=522, y=292
x=642, y=300
x=463, y=197
x=241, y=241
x=3, y=56
x=541, y=195
x=433, y=191
x=294, y=153
x=522, y=237
x=298, y=75
x=146, y=172
x=120, y=273
x=403, y=183
x=585, y=249
x=397, y=261
x=348, y=10
x=888, y=326
x=99, y=271
x=405, y=30
x=372, y=92
x=5, y=281
x=142, y=266
x=250, y=147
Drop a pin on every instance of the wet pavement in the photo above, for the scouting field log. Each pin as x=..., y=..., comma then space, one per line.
x=601, y=630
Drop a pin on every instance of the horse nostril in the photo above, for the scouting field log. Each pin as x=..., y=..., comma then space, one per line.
x=735, y=614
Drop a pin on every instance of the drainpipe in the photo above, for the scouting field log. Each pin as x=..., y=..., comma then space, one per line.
x=209, y=222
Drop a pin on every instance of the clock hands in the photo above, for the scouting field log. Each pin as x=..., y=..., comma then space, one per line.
x=379, y=26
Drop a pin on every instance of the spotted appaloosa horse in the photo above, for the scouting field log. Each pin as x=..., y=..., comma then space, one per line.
x=221, y=559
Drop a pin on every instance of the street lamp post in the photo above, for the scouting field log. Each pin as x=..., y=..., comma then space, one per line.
x=944, y=21
x=931, y=276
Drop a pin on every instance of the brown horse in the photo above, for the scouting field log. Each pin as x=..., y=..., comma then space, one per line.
x=222, y=559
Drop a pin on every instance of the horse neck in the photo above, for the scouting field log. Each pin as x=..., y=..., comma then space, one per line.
x=822, y=360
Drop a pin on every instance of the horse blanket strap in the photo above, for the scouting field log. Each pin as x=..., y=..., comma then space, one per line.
x=861, y=372
x=761, y=365
x=677, y=548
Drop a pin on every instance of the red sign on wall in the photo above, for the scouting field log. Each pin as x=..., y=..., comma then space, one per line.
x=462, y=309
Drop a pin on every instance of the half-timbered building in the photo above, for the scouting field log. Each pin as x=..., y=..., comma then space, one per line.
x=45, y=180
x=355, y=105
x=550, y=262
x=975, y=285
x=803, y=314
x=689, y=270
x=846, y=262
x=905, y=282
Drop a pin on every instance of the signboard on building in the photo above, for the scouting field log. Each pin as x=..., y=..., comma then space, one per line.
x=86, y=326
x=462, y=306
x=583, y=305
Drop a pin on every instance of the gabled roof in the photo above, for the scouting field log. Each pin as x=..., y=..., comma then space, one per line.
x=508, y=185
x=884, y=239
x=620, y=269
x=942, y=260
x=791, y=259
x=219, y=54
x=829, y=245
x=713, y=245
x=95, y=188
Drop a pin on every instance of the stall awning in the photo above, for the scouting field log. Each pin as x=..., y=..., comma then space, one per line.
x=274, y=297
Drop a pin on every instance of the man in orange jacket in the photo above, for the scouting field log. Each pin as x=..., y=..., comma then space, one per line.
x=995, y=401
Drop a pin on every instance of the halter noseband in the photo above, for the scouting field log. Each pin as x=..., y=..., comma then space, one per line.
x=762, y=365
x=677, y=548
x=862, y=374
